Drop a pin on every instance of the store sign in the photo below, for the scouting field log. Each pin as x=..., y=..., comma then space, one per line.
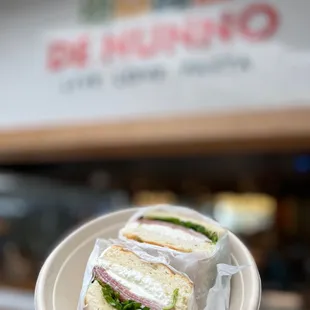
x=148, y=41
x=234, y=55
x=181, y=46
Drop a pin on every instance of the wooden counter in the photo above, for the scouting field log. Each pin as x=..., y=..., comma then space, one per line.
x=273, y=130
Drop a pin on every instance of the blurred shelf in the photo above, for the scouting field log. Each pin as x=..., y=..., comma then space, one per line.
x=277, y=300
x=281, y=130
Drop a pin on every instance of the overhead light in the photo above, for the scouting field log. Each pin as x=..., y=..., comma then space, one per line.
x=245, y=213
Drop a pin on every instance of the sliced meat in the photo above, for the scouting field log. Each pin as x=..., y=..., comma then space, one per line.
x=125, y=294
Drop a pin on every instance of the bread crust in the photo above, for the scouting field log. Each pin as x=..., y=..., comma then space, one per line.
x=94, y=299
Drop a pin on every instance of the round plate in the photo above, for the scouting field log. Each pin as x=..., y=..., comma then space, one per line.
x=60, y=280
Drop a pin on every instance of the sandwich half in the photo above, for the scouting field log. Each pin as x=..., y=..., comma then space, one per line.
x=124, y=281
x=172, y=230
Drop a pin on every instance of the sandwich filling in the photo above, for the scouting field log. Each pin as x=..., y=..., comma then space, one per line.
x=177, y=233
x=212, y=236
x=148, y=293
x=114, y=299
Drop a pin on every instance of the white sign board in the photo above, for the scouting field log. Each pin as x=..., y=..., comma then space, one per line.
x=231, y=56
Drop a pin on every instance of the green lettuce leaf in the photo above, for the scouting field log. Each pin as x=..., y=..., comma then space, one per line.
x=113, y=298
x=213, y=236
x=174, y=300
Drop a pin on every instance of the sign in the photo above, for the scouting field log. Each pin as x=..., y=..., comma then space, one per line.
x=178, y=36
x=229, y=56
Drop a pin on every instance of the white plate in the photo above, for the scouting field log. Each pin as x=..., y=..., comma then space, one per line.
x=60, y=280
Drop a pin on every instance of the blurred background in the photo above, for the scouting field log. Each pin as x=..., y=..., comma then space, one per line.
x=110, y=104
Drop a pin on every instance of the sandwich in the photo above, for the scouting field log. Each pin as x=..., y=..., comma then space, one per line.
x=124, y=281
x=174, y=230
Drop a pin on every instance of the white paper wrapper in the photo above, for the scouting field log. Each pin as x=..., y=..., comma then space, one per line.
x=217, y=299
x=100, y=246
x=201, y=267
x=219, y=294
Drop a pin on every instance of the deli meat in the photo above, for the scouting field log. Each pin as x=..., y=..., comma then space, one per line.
x=125, y=294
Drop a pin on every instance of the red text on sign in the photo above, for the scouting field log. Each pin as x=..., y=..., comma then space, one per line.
x=67, y=53
x=191, y=34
